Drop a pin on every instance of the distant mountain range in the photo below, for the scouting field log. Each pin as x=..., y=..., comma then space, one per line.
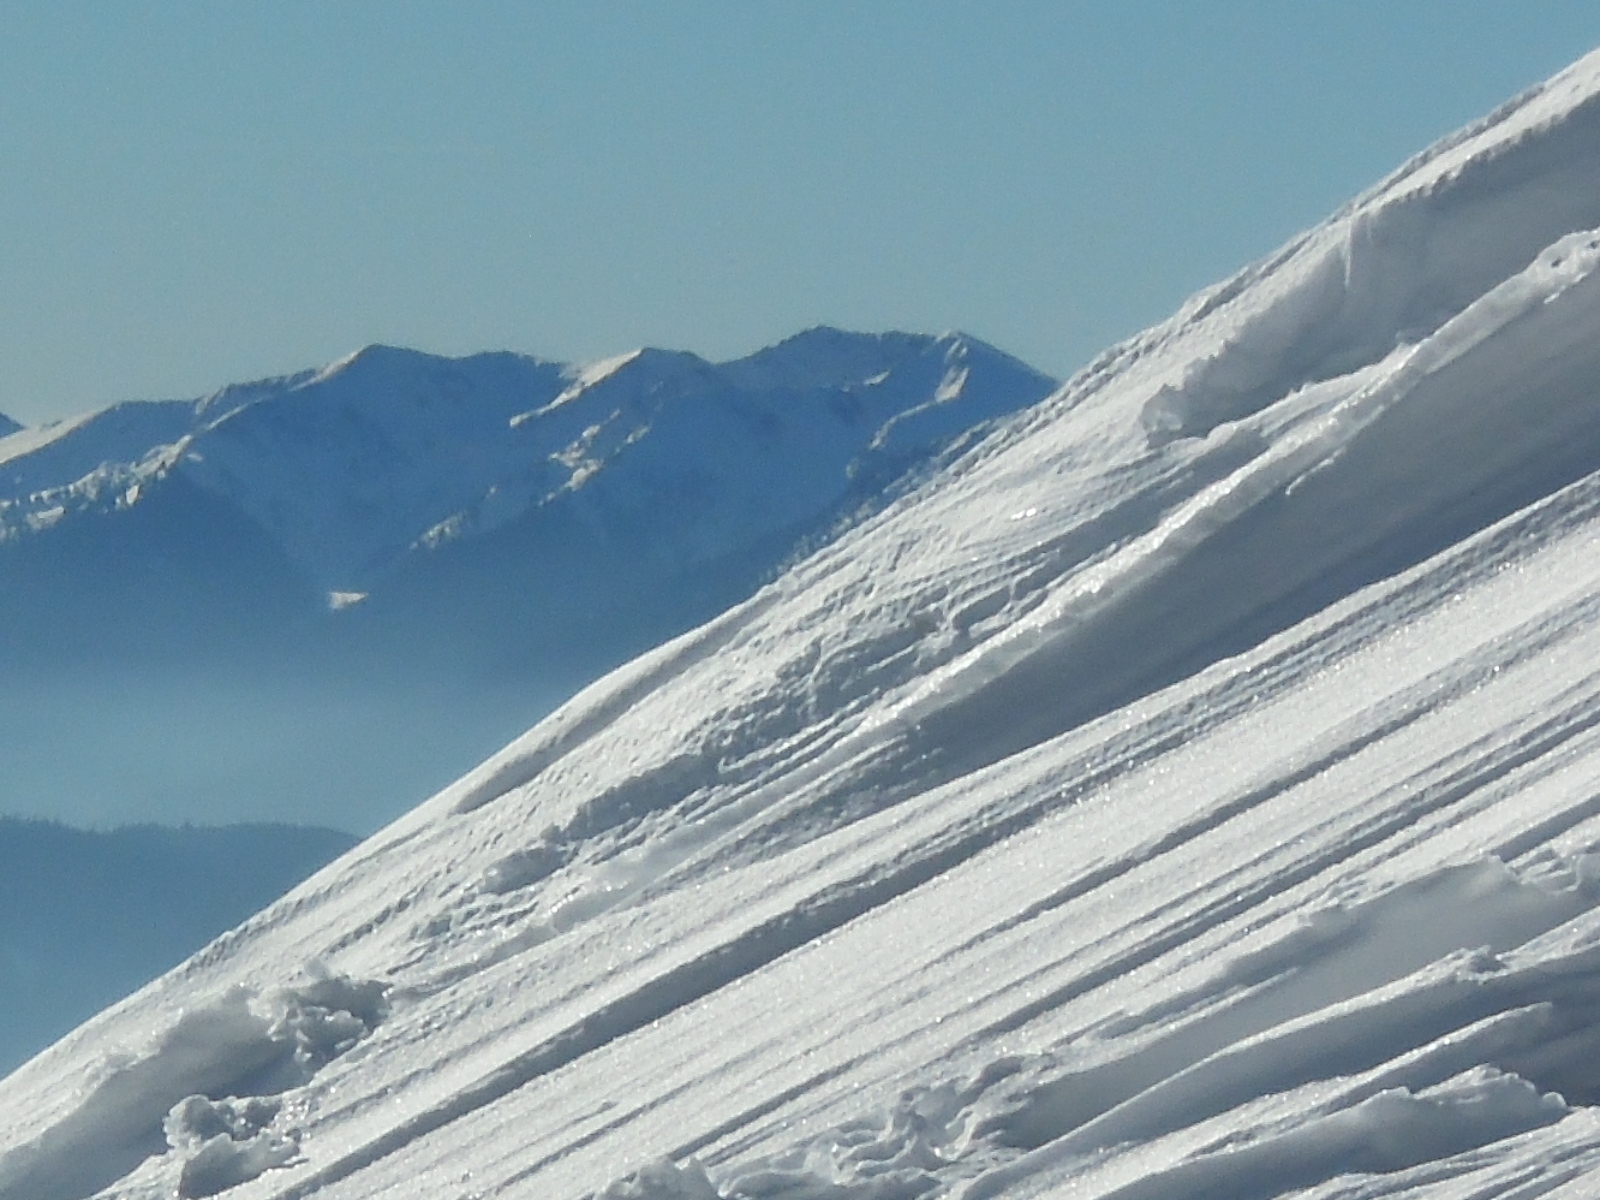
x=398, y=560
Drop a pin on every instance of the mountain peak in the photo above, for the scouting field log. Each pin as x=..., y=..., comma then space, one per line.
x=375, y=356
x=7, y=425
x=380, y=364
x=645, y=370
x=823, y=356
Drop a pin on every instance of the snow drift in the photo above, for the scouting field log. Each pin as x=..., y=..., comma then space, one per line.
x=1191, y=790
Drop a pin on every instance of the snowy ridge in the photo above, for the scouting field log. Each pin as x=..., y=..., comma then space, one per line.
x=1189, y=791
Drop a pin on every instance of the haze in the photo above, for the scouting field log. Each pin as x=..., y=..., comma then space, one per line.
x=198, y=194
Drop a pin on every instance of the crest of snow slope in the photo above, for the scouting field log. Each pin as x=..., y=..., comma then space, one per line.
x=1188, y=792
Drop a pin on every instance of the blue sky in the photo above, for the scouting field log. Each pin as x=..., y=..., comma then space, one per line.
x=199, y=193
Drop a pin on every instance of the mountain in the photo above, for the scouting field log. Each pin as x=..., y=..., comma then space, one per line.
x=321, y=564
x=87, y=917
x=389, y=453
x=7, y=425
x=1186, y=790
x=665, y=488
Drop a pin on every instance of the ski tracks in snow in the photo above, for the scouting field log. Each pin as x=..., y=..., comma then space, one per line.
x=1355, y=980
x=1080, y=1043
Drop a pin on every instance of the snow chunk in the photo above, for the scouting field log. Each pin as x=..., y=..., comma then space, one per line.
x=325, y=1018
x=663, y=1180
x=196, y=1089
x=225, y=1142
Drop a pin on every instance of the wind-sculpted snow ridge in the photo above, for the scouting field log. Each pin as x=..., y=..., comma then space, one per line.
x=1192, y=790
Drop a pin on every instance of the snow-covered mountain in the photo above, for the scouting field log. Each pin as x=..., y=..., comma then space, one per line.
x=476, y=535
x=388, y=453
x=1188, y=791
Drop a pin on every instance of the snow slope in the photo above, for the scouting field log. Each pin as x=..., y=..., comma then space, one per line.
x=1190, y=791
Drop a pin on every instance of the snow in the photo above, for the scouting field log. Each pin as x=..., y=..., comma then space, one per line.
x=1189, y=790
x=586, y=377
x=18, y=442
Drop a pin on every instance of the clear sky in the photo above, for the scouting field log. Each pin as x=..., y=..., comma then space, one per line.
x=196, y=193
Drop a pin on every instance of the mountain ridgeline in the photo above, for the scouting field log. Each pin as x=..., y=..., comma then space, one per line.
x=400, y=560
